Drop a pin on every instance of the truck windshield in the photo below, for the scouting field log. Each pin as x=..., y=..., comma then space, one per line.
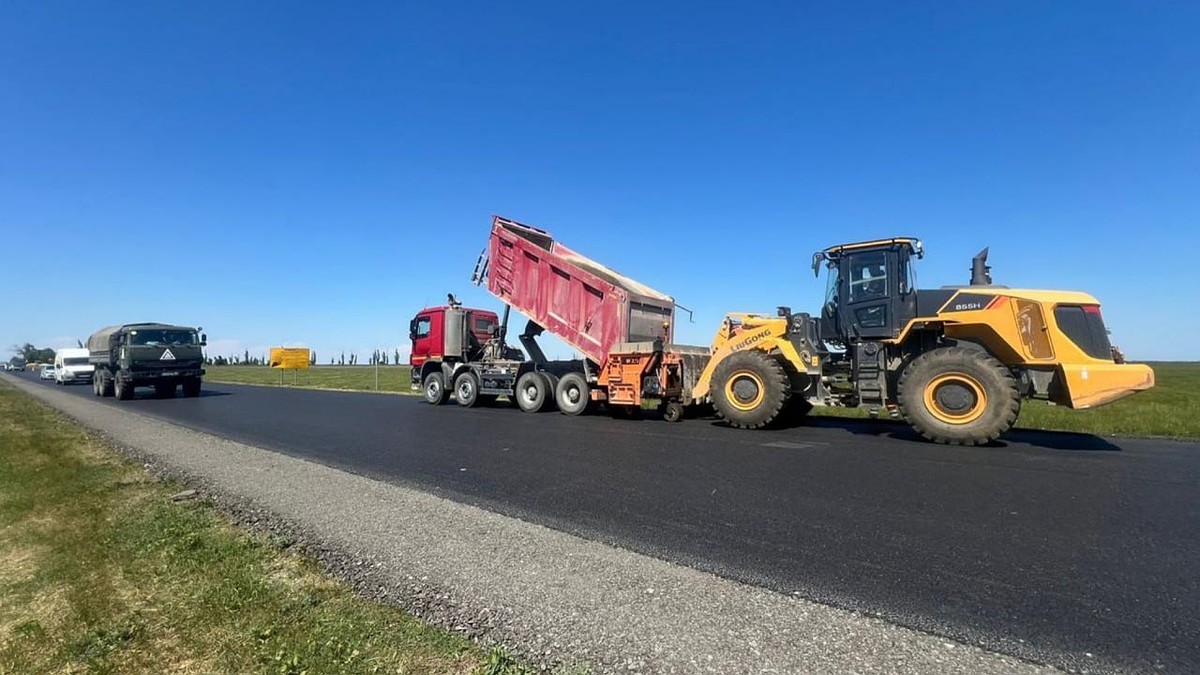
x=76, y=361
x=157, y=338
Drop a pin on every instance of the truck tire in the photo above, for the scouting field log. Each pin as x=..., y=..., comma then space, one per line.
x=466, y=389
x=164, y=390
x=749, y=389
x=958, y=396
x=123, y=390
x=97, y=385
x=533, y=392
x=191, y=387
x=673, y=411
x=571, y=394
x=435, y=389
x=107, y=386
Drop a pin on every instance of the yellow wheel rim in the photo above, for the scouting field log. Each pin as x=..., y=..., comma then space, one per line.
x=955, y=398
x=744, y=390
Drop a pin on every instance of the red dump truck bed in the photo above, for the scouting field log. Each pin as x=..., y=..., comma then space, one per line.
x=585, y=304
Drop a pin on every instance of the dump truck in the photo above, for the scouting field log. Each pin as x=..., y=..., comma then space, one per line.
x=622, y=329
x=955, y=362
x=158, y=355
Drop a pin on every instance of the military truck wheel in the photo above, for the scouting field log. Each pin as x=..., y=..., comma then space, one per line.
x=191, y=387
x=466, y=389
x=571, y=394
x=436, y=392
x=108, y=387
x=533, y=391
x=97, y=387
x=749, y=389
x=123, y=390
x=164, y=390
x=958, y=396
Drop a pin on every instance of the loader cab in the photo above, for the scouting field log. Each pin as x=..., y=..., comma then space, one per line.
x=870, y=291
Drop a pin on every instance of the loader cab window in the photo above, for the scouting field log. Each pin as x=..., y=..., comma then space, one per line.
x=868, y=276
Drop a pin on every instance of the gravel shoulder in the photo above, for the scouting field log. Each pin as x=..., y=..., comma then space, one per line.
x=550, y=597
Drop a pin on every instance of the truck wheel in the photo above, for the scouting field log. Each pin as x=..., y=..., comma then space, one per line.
x=533, y=391
x=958, y=396
x=123, y=390
x=97, y=386
x=107, y=386
x=436, y=392
x=672, y=411
x=571, y=394
x=749, y=389
x=466, y=389
x=164, y=390
x=191, y=387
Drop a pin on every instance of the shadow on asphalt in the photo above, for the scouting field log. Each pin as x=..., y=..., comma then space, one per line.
x=1049, y=440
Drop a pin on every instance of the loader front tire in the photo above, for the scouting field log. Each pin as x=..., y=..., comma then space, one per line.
x=958, y=396
x=749, y=389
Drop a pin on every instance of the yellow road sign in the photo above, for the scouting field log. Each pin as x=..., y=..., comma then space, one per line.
x=290, y=357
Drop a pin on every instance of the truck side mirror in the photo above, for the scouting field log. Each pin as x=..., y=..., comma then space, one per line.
x=203, y=340
x=412, y=329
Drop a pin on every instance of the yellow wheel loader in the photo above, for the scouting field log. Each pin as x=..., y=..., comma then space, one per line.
x=954, y=362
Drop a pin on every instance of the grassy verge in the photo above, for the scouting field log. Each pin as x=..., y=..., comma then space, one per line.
x=1172, y=408
x=394, y=379
x=101, y=572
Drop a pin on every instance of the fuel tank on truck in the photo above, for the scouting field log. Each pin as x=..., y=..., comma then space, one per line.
x=583, y=303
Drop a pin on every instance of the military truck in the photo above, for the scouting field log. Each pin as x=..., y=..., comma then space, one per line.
x=155, y=355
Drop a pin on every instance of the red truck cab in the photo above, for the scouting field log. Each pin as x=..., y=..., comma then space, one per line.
x=428, y=333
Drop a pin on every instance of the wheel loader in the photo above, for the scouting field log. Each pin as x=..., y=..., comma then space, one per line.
x=955, y=362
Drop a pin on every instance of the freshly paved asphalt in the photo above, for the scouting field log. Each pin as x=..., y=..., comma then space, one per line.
x=1066, y=549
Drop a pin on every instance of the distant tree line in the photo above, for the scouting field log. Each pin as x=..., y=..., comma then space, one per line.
x=379, y=357
x=33, y=354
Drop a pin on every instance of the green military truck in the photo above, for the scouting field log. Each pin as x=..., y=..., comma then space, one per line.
x=146, y=355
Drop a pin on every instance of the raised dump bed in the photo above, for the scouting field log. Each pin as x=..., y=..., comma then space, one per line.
x=587, y=305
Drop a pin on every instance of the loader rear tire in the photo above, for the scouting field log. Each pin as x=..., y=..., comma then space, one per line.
x=435, y=389
x=958, y=396
x=749, y=389
x=533, y=392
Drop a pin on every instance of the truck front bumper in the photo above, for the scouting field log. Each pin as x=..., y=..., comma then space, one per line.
x=157, y=375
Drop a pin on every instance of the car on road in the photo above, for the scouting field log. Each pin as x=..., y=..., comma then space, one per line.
x=47, y=373
x=72, y=366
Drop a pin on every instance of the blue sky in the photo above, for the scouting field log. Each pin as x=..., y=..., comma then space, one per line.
x=295, y=173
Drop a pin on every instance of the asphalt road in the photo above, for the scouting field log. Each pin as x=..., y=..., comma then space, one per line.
x=1066, y=549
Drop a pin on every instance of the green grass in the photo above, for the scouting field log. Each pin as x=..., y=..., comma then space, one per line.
x=101, y=572
x=1171, y=408
x=393, y=379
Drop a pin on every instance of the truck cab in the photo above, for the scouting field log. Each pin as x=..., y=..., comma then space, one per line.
x=438, y=333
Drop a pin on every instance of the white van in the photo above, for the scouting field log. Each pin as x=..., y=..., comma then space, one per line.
x=71, y=366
